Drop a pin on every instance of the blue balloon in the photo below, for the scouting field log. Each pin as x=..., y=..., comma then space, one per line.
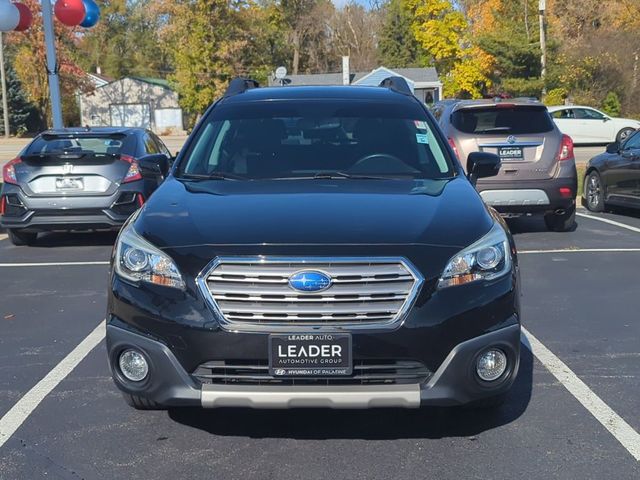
x=93, y=14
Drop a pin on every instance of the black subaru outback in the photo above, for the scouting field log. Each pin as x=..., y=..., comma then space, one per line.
x=315, y=247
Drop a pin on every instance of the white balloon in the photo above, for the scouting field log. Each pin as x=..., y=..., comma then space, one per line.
x=9, y=16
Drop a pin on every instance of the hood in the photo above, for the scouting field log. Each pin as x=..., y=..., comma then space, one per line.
x=314, y=212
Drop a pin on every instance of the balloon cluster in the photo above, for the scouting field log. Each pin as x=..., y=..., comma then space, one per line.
x=17, y=16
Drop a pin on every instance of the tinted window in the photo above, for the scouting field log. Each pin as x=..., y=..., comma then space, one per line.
x=587, y=114
x=161, y=146
x=509, y=120
x=48, y=144
x=562, y=114
x=149, y=145
x=290, y=139
x=633, y=142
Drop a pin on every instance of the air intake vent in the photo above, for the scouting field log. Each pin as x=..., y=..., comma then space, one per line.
x=369, y=372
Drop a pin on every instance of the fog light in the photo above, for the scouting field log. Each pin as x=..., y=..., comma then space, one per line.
x=491, y=365
x=133, y=365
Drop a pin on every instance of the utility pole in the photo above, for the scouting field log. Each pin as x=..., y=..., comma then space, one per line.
x=543, y=45
x=52, y=64
x=5, y=102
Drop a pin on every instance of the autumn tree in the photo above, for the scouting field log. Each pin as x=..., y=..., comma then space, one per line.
x=443, y=32
x=29, y=62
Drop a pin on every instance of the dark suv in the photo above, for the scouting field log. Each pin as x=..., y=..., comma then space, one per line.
x=80, y=179
x=538, y=174
x=315, y=247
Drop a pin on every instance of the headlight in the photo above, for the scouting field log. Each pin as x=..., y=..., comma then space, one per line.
x=488, y=258
x=139, y=261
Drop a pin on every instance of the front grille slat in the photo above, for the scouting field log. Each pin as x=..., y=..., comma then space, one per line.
x=364, y=372
x=363, y=291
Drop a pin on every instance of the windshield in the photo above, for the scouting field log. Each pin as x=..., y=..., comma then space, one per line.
x=316, y=139
x=81, y=144
x=506, y=120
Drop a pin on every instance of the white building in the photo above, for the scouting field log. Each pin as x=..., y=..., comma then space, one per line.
x=133, y=102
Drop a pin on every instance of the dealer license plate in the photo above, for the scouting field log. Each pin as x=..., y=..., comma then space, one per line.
x=310, y=355
x=510, y=153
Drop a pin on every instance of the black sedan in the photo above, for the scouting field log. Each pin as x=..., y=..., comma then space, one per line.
x=80, y=179
x=613, y=177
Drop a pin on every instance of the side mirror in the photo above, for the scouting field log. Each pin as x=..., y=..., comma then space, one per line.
x=606, y=119
x=613, y=147
x=156, y=164
x=481, y=165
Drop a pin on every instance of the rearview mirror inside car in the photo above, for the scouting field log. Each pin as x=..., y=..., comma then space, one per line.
x=613, y=147
x=156, y=164
x=481, y=165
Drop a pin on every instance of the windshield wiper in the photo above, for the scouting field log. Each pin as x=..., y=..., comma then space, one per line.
x=331, y=176
x=211, y=176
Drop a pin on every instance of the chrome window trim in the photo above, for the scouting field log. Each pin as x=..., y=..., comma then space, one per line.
x=247, y=327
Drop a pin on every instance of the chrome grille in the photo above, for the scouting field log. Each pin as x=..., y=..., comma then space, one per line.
x=365, y=372
x=364, y=292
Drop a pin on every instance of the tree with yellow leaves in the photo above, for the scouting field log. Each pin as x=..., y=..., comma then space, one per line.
x=443, y=32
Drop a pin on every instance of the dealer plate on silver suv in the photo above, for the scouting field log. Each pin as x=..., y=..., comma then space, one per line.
x=310, y=355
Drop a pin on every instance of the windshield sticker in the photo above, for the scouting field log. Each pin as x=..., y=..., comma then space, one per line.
x=420, y=125
x=422, y=138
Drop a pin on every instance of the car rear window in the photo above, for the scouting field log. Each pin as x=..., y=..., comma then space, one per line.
x=53, y=144
x=502, y=119
x=298, y=139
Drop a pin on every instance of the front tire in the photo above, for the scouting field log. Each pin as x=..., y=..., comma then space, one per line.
x=20, y=238
x=141, y=403
x=624, y=134
x=594, y=193
x=561, y=223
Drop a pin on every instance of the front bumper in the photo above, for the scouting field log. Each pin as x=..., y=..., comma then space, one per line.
x=453, y=383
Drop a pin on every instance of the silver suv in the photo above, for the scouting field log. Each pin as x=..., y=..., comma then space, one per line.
x=538, y=172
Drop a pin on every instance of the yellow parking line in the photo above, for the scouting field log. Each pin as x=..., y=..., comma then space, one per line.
x=3, y=236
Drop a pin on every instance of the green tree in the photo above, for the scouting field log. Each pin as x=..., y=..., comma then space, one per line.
x=125, y=41
x=208, y=42
x=22, y=114
x=611, y=104
x=398, y=46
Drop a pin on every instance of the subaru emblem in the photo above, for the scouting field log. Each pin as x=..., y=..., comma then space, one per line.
x=511, y=139
x=309, y=281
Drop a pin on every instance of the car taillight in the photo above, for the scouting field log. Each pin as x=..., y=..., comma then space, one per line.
x=140, y=199
x=453, y=147
x=9, y=171
x=3, y=205
x=133, y=173
x=566, y=148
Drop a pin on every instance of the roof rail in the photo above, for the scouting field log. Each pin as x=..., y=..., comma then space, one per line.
x=240, y=85
x=397, y=84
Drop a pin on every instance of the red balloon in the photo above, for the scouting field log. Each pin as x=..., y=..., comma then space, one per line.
x=70, y=12
x=26, y=17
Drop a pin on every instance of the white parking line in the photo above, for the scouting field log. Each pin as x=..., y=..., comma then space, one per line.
x=52, y=264
x=610, y=222
x=580, y=250
x=621, y=430
x=29, y=402
x=3, y=236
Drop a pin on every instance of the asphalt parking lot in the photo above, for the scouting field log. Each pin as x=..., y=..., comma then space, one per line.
x=573, y=412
